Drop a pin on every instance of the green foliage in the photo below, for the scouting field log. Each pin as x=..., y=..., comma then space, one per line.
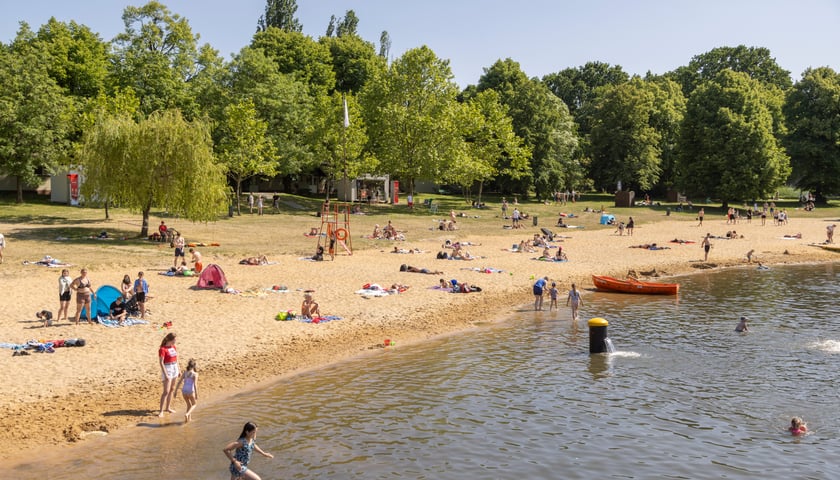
x=35, y=116
x=756, y=62
x=279, y=14
x=163, y=161
x=354, y=61
x=624, y=145
x=813, y=114
x=340, y=148
x=577, y=86
x=243, y=147
x=156, y=56
x=412, y=116
x=634, y=130
x=298, y=55
x=78, y=58
x=348, y=26
x=492, y=147
x=727, y=146
x=281, y=101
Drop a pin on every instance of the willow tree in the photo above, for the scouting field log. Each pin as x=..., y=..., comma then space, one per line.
x=163, y=161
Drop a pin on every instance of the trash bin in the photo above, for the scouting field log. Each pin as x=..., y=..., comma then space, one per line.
x=668, y=212
x=535, y=220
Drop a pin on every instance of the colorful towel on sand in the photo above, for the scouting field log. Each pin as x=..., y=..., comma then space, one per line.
x=323, y=319
x=128, y=322
x=483, y=269
x=375, y=290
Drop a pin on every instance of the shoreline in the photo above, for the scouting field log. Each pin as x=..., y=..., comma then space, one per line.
x=113, y=382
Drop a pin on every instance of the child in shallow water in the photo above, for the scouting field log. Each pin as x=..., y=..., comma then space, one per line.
x=797, y=427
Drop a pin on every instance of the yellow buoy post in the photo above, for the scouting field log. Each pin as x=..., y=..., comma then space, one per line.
x=598, y=335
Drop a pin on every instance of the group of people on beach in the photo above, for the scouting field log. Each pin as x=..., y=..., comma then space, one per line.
x=136, y=291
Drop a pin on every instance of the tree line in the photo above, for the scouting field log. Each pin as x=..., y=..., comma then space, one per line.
x=154, y=119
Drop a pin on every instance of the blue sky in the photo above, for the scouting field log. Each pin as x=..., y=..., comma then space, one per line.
x=544, y=36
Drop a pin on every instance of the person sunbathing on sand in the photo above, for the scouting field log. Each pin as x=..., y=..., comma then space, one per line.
x=409, y=268
x=261, y=260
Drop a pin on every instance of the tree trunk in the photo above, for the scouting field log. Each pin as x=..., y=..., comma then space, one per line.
x=107, y=215
x=144, y=230
x=480, y=191
x=19, y=188
x=238, y=196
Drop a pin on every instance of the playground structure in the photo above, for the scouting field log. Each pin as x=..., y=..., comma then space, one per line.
x=334, y=232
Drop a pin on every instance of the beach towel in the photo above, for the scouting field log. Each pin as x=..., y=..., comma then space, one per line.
x=128, y=322
x=483, y=269
x=322, y=319
x=549, y=259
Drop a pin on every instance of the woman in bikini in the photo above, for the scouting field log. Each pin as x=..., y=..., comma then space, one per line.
x=84, y=294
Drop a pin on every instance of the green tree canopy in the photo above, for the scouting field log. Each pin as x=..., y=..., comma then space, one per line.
x=339, y=147
x=411, y=113
x=156, y=56
x=298, y=55
x=167, y=160
x=78, y=58
x=756, y=62
x=354, y=61
x=243, y=147
x=492, y=147
x=813, y=115
x=279, y=14
x=727, y=147
x=35, y=115
x=284, y=103
x=624, y=145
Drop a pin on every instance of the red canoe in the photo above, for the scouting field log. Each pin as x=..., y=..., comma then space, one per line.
x=632, y=285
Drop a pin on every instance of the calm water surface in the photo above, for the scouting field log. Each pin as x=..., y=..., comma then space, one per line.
x=684, y=397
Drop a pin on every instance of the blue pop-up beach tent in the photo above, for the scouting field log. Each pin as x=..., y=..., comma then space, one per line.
x=101, y=305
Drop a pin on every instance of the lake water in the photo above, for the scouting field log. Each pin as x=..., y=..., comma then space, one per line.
x=684, y=397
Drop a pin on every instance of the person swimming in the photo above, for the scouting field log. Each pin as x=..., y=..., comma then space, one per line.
x=742, y=326
x=797, y=427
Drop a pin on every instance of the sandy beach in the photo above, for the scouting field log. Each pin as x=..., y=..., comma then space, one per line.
x=113, y=382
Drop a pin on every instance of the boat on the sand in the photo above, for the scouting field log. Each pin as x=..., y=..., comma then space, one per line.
x=631, y=285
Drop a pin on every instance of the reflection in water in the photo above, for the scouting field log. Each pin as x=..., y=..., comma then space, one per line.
x=684, y=397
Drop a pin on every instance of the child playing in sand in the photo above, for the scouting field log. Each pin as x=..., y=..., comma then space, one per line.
x=189, y=379
x=46, y=316
x=797, y=427
x=309, y=308
x=552, y=292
